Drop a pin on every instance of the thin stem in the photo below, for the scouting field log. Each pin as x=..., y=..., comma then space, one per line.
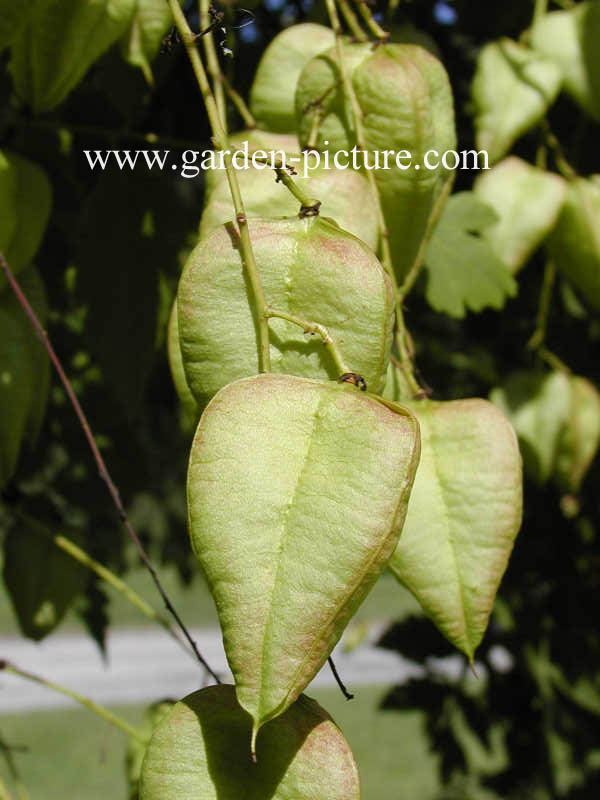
x=221, y=142
x=541, y=325
x=78, y=554
x=352, y=21
x=539, y=10
x=339, y=681
x=553, y=360
x=309, y=206
x=563, y=166
x=212, y=61
x=22, y=793
x=102, y=469
x=372, y=24
x=434, y=217
x=238, y=102
x=107, y=715
x=314, y=328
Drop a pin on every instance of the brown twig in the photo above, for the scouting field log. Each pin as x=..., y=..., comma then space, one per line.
x=344, y=691
x=102, y=470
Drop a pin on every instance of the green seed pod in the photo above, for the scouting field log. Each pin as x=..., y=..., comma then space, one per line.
x=297, y=492
x=272, y=93
x=200, y=750
x=58, y=44
x=24, y=372
x=136, y=750
x=538, y=405
x=527, y=201
x=189, y=407
x=512, y=89
x=463, y=516
x=344, y=194
x=574, y=245
x=570, y=39
x=309, y=268
x=406, y=107
x=580, y=438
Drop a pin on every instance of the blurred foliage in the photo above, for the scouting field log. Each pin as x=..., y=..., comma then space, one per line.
x=110, y=261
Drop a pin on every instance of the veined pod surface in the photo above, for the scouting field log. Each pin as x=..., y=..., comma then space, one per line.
x=344, y=195
x=463, y=516
x=189, y=405
x=570, y=39
x=272, y=92
x=527, y=201
x=309, y=268
x=199, y=751
x=513, y=87
x=574, y=244
x=406, y=107
x=24, y=372
x=59, y=42
x=297, y=492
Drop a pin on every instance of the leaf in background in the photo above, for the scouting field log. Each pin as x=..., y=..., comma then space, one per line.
x=463, y=272
x=538, y=406
x=29, y=201
x=272, y=93
x=24, y=372
x=309, y=268
x=297, y=492
x=119, y=258
x=512, y=89
x=41, y=580
x=12, y=18
x=147, y=28
x=580, y=438
x=570, y=39
x=463, y=516
x=574, y=244
x=200, y=750
x=60, y=42
x=527, y=201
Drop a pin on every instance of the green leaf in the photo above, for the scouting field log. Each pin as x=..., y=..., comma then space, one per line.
x=41, y=580
x=309, y=268
x=463, y=516
x=580, y=437
x=26, y=196
x=200, y=750
x=12, y=19
x=512, y=89
x=272, y=93
x=463, y=272
x=406, y=104
x=60, y=42
x=527, y=201
x=297, y=492
x=344, y=194
x=189, y=406
x=570, y=39
x=538, y=405
x=574, y=245
x=140, y=45
x=24, y=372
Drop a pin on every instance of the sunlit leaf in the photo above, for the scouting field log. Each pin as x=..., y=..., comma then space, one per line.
x=463, y=516
x=297, y=492
x=150, y=22
x=512, y=89
x=200, y=750
x=463, y=271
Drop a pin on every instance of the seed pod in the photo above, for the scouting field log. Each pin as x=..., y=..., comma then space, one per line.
x=574, y=245
x=189, y=407
x=24, y=372
x=512, y=89
x=463, y=516
x=309, y=268
x=344, y=194
x=272, y=93
x=580, y=438
x=527, y=201
x=200, y=750
x=570, y=39
x=297, y=492
x=406, y=105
